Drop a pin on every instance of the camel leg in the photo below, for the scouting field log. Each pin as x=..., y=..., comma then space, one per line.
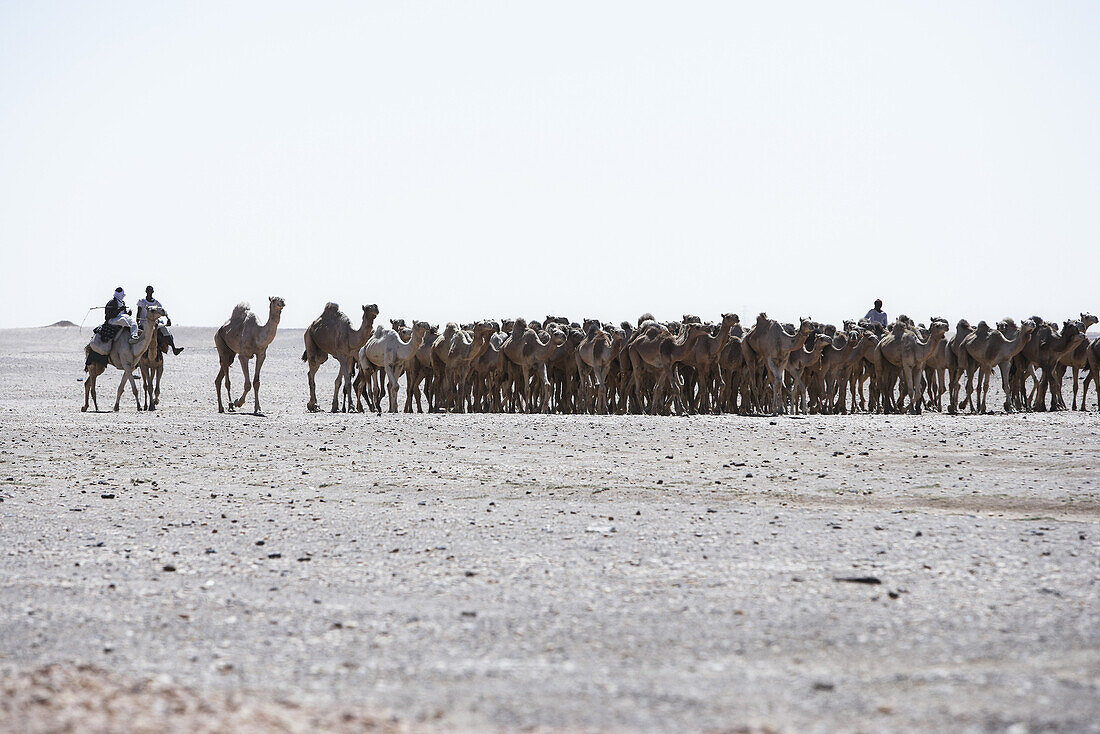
x=89, y=387
x=256, y=383
x=1004, y=367
x=247, y=380
x=314, y=365
x=341, y=375
x=121, y=389
x=391, y=378
x=223, y=374
x=1076, y=371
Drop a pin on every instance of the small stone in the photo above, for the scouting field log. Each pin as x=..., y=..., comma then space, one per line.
x=107, y=496
x=169, y=567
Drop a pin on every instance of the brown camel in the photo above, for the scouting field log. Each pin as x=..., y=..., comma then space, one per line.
x=332, y=334
x=1093, y=374
x=527, y=353
x=594, y=355
x=124, y=355
x=655, y=352
x=243, y=337
x=799, y=364
x=1078, y=358
x=462, y=351
x=987, y=349
x=903, y=351
x=704, y=360
x=773, y=345
x=152, y=369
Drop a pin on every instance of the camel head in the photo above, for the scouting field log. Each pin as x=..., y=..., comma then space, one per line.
x=1087, y=320
x=154, y=313
x=1073, y=332
x=485, y=328
x=939, y=327
x=1026, y=328
x=371, y=311
x=535, y=325
x=397, y=324
x=806, y=325
x=421, y=327
x=276, y=304
x=506, y=325
x=591, y=326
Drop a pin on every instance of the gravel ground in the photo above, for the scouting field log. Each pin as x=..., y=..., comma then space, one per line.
x=468, y=572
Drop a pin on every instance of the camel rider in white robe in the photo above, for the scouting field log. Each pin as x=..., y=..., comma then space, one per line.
x=162, y=326
x=115, y=313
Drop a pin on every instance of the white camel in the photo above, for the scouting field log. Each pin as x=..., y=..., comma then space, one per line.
x=387, y=351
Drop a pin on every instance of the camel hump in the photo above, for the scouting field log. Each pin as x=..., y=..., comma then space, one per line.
x=331, y=308
x=378, y=331
x=240, y=310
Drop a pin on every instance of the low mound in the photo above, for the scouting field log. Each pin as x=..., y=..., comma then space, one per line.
x=61, y=323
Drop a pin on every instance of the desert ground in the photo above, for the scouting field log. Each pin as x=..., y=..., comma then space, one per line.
x=183, y=570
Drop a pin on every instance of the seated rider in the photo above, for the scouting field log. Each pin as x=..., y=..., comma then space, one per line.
x=115, y=313
x=162, y=327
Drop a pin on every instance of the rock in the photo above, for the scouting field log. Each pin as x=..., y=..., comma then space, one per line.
x=858, y=579
x=169, y=567
x=107, y=496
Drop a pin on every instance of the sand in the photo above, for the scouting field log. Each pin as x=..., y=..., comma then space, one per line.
x=302, y=571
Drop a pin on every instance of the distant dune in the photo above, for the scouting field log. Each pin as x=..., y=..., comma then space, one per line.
x=60, y=323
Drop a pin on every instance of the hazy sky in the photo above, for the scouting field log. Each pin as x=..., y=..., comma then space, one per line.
x=455, y=160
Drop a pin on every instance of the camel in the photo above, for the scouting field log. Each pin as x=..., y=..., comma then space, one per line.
x=1047, y=348
x=488, y=373
x=418, y=369
x=1094, y=373
x=152, y=368
x=1077, y=359
x=773, y=344
x=704, y=358
x=124, y=355
x=457, y=359
x=594, y=355
x=655, y=350
x=987, y=349
x=801, y=362
x=387, y=351
x=243, y=337
x=903, y=350
x=526, y=352
x=332, y=334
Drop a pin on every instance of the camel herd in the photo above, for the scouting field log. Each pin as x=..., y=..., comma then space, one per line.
x=682, y=367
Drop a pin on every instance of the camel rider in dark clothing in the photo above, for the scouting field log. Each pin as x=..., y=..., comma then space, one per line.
x=115, y=313
x=162, y=326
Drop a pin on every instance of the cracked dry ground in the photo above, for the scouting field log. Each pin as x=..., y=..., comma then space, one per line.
x=183, y=570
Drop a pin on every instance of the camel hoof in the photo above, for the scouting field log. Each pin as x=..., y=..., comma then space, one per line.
x=221, y=410
x=116, y=409
x=84, y=409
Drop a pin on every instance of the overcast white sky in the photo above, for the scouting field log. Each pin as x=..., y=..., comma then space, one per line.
x=454, y=160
